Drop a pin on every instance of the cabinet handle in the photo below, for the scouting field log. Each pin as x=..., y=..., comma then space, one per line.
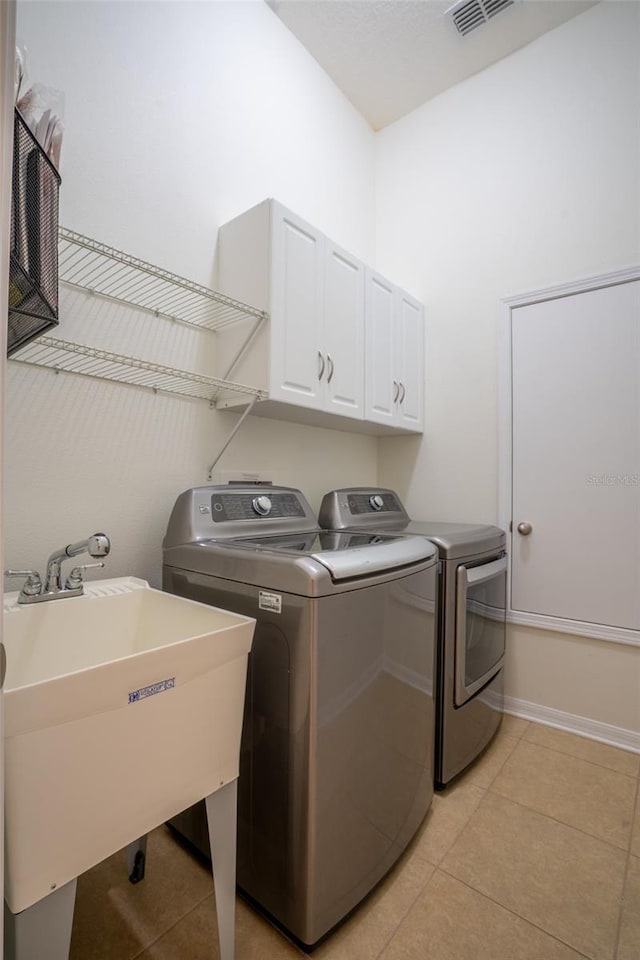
x=396, y=390
x=403, y=392
x=330, y=362
x=321, y=359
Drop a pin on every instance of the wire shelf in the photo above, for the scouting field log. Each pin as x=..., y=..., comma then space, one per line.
x=90, y=266
x=86, y=264
x=104, y=365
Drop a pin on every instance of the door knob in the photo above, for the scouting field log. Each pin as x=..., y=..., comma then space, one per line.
x=524, y=528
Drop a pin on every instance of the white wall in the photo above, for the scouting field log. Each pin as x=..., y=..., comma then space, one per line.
x=525, y=175
x=520, y=177
x=178, y=117
x=578, y=676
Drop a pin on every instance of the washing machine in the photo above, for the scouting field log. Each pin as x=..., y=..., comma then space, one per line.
x=336, y=765
x=470, y=618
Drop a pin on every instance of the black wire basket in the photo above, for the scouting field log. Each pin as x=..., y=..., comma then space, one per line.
x=33, y=266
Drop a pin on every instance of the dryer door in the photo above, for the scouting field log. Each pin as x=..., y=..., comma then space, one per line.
x=480, y=625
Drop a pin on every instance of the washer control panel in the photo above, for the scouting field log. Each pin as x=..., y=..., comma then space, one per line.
x=242, y=510
x=250, y=506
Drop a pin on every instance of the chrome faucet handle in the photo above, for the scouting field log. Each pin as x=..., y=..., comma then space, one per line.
x=32, y=587
x=74, y=580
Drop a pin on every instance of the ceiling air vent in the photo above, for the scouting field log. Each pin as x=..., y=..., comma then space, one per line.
x=469, y=14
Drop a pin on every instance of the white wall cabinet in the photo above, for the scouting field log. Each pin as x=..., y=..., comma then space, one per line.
x=317, y=310
x=343, y=332
x=314, y=293
x=295, y=285
x=394, y=355
x=314, y=359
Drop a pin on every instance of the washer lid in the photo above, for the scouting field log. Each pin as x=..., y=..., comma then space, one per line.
x=344, y=554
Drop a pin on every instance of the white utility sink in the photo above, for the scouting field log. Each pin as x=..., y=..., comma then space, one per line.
x=122, y=708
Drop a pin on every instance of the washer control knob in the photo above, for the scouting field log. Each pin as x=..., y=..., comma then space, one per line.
x=262, y=506
x=376, y=501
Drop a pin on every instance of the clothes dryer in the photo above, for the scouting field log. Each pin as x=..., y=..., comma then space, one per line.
x=470, y=618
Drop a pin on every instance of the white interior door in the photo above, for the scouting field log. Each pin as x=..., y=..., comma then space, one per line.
x=576, y=457
x=7, y=52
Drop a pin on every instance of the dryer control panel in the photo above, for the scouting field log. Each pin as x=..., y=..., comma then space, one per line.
x=369, y=508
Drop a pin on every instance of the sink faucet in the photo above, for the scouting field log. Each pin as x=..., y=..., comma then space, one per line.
x=34, y=591
x=96, y=546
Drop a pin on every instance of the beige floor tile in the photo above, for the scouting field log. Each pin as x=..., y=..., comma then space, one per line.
x=195, y=937
x=365, y=934
x=115, y=920
x=563, y=881
x=592, y=798
x=452, y=922
x=623, y=761
x=484, y=770
x=629, y=944
x=450, y=811
x=514, y=727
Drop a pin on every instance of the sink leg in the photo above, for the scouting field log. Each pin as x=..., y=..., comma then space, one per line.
x=43, y=929
x=136, y=858
x=222, y=819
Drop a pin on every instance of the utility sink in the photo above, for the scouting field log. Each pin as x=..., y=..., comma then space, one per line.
x=122, y=708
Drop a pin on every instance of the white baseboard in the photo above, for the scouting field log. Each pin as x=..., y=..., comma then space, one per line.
x=571, y=723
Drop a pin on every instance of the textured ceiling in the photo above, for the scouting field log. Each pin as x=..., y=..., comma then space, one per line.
x=390, y=56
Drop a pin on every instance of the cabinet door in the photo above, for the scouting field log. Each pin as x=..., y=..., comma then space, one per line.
x=576, y=457
x=410, y=362
x=296, y=309
x=343, y=335
x=381, y=385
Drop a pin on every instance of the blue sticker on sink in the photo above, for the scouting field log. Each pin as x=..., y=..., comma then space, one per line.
x=152, y=689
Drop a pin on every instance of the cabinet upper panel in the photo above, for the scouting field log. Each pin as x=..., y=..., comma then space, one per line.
x=343, y=331
x=296, y=310
x=381, y=383
x=410, y=362
x=395, y=355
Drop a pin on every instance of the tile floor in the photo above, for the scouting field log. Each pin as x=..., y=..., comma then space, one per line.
x=533, y=854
